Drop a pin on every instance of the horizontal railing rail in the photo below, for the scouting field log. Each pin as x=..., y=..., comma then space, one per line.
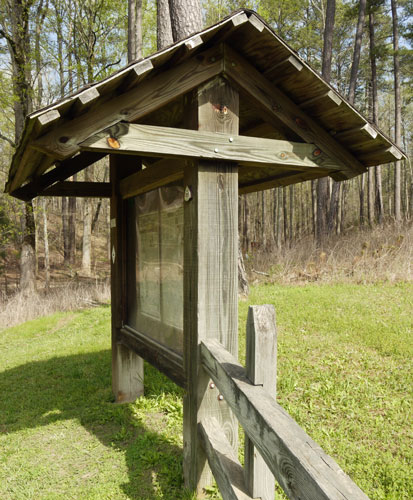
x=300, y=466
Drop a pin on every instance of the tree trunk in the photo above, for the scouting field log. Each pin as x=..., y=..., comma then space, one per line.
x=332, y=221
x=356, y=52
x=15, y=30
x=361, y=196
x=370, y=196
x=72, y=229
x=243, y=286
x=186, y=18
x=134, y=29
x=375, y=113
x=263, y=217
x=65, y=229
x=328, y=40
x=71, y=200
x=314, y=207
x=40, y=15
x=397, y=110
x=28, y=253
x=285, y=215
x=163, y=21
x=46, y=245
x=322, y=184
x=87, y=229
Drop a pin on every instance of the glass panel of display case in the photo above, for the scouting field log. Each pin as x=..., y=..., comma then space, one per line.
x=155, y=265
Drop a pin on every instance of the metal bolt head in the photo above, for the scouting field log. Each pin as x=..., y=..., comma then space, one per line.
x=220, y=397
x=212, y=385
x=187, y=194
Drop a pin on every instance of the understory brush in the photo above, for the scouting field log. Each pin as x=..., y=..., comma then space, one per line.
x=378, y=254
x=72, y=295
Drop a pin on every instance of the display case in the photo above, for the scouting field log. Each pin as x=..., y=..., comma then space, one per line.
x=155, y=265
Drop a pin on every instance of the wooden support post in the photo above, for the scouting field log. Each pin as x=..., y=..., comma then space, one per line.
x=261, y=368
x=210, y=276
x=127, y=367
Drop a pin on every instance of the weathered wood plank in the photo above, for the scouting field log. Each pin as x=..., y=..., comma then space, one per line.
x=151, y=94
x=156, y=141
x=210, y=279
x=261, y=369
x=62, y=171
x=244, y=75
x=165, y=360
x=283, y=179
x=85, y=100
x=227, y=470
x=393, y=153
x=330, y=97
x=139, y=71
x=291, y=63
x=159, y=174
x=299, y=465
x=358, y=133
x=127, y=366
x=48, y=117
x=80, y=189
x=193, y=42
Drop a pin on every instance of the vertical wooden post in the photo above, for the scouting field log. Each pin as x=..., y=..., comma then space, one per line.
x=127, y=367
x=210, y=276
x=261, y=367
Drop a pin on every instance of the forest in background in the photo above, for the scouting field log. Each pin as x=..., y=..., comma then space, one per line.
x=50, y=48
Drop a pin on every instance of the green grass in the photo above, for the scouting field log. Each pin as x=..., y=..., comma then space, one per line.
x=344, y=373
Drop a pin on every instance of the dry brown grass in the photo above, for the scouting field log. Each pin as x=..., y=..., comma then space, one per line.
x=70, y=296
x=380, y=254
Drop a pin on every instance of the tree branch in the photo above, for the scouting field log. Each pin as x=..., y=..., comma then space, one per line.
x=4, y=138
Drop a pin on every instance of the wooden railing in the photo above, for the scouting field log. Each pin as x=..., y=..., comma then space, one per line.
x=299, y=464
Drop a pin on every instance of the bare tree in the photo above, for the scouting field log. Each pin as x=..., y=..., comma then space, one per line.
x=356, y=52
x=134, y=29
x=397, y=110
x=322, y=184
x=15, y=29
x=163, y=22
x=377, y=206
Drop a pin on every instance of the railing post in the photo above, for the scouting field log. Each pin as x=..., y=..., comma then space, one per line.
x=261, y=369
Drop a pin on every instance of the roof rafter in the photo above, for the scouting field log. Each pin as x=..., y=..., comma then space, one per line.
x=243, y=75
x=151, y=94
x=62, y=171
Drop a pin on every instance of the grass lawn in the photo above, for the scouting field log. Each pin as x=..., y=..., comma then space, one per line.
x=344, y=373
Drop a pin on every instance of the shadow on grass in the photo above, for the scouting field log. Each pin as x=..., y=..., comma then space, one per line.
x=79, y=387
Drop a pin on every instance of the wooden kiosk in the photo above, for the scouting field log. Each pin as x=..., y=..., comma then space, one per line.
x=229, y=110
